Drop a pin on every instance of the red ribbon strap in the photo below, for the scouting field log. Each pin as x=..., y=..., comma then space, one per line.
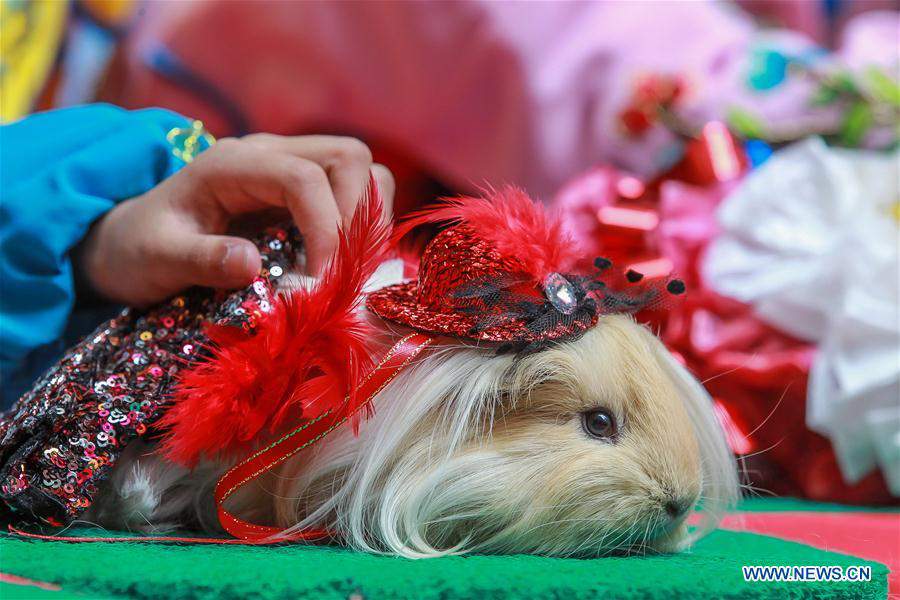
x=397, y=358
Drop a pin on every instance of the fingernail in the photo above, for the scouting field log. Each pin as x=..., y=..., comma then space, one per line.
x=240, y=259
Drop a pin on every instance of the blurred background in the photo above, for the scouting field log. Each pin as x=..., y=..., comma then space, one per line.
x=749, y=146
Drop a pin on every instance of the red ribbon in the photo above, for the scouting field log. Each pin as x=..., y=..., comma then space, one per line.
x=304, y=436
x=398, y=357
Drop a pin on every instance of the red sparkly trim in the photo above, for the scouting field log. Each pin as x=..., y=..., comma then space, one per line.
x=399, y=303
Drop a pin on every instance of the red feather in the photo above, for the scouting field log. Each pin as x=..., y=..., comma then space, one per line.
x=516, y=226
x=305, y=358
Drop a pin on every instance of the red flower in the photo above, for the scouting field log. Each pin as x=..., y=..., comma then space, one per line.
x=650, y=95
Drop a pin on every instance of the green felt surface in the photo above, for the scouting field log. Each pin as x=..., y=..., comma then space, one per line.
x=711, y=570
x=21, y=592
x=768, y=504
x=9, y=591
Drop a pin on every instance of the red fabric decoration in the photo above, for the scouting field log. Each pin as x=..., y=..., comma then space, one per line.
x=528, y=238
x=304, y=359
x=651, y=95
x=305, y=435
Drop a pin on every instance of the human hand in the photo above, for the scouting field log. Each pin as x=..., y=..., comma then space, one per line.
x=170, y=238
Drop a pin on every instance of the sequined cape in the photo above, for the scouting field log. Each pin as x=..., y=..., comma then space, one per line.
x=62, y=438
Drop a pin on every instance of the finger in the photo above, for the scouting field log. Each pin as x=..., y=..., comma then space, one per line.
x=345, y=160
x=209, y=260
x=313, y=207
x=241, y=179
x=384, y=179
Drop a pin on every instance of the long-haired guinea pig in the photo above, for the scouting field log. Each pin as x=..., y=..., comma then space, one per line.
x=597, y=443
x=600, y=445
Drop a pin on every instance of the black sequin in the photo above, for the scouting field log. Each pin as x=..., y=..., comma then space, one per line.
x=675, y=286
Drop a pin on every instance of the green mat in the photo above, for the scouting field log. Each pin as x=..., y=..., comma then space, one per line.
x=711, y=570
x=786, y=504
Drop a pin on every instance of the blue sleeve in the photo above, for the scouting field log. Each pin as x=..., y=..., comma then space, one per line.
x=59, y=172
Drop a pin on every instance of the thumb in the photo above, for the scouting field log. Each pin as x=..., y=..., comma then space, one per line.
x=217, y=261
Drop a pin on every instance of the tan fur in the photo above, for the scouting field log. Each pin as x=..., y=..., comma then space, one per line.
x=654, y=459
x=536, y=482
x=470, y=451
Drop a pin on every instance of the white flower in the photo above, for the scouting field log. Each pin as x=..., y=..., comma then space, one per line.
x=810, y=239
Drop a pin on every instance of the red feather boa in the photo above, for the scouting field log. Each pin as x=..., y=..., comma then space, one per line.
x=306, y=357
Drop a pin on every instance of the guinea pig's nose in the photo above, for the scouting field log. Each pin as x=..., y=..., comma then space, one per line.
x=676, y=507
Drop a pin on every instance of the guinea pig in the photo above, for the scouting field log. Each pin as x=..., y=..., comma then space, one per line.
x=600, y=445
x=588, y=439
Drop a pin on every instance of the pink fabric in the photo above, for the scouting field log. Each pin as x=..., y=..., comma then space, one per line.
x=872, y=39
x=687, y=221
x=809, y=16
x=479, y=91
x=872, y=536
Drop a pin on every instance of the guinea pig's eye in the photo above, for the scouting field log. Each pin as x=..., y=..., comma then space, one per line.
x=599, y=423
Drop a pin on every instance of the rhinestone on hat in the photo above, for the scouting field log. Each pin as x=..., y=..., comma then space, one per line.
x=561, y=293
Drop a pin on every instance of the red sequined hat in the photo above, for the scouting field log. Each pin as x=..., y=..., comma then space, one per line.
x=503, y=272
